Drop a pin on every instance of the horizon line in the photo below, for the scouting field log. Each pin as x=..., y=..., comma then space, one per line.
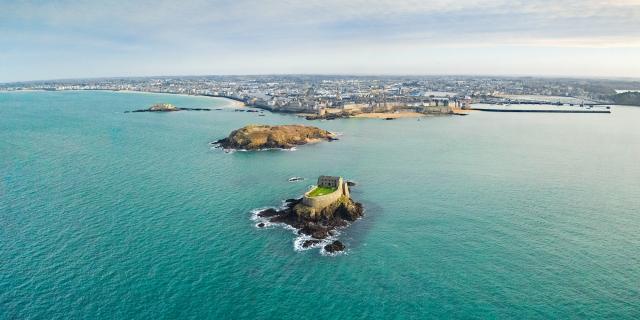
x=610, y=78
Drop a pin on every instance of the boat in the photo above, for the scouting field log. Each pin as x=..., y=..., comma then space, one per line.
x=295, y=179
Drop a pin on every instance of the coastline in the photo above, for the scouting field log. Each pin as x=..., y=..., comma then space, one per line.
x=237, y=103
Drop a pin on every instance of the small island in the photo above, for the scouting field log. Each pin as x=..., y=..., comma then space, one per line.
x=167, y=107
x=262, y=137
x=163, y=107
x=318, y=215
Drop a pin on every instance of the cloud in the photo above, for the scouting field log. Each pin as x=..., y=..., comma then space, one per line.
x=164, y=20
x=139, y=32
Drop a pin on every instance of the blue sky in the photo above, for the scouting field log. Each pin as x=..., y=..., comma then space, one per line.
x=74, y=39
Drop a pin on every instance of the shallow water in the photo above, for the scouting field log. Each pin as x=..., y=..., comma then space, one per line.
x=493, y=215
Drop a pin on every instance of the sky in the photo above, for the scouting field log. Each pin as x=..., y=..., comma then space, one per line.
x=80, y=39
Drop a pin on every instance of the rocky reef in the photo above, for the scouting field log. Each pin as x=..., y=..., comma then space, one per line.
x=167, y=107
x=319, y=228
x=257, y=137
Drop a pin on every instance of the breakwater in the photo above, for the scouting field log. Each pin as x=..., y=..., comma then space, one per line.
x=542, y=110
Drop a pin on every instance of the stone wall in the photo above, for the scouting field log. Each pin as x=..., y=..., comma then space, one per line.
x=320, y=202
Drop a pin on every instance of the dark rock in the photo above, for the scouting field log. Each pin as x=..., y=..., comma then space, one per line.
x=314, y=230
x=335, y=246
x=336, y=222
x=349, y=211
x=195, y=109
x=286, y=216
x=267, y=213
x=260, y=225
x=309, y=243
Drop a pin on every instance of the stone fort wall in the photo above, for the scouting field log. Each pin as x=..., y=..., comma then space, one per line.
x=321, y=202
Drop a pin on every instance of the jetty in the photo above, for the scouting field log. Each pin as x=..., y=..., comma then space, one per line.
x=607, y=110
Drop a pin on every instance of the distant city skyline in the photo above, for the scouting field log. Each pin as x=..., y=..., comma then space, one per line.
x=85, y=39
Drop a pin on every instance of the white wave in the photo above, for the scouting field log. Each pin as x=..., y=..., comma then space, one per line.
x=245, y=150
x=299, y=240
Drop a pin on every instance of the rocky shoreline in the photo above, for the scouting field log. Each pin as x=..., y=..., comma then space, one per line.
x=319, y=231
x=264, y=137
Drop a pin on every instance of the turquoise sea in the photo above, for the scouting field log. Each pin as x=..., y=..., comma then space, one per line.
x=107, y=215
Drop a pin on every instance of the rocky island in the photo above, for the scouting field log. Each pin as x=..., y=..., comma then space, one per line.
x=167, y=107
x=260, y=137
x=163, y=107
x=318, y=215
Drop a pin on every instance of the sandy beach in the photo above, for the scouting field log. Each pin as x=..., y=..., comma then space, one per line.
x=233, y=103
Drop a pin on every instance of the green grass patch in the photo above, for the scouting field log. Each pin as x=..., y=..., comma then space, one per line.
x=321, y=191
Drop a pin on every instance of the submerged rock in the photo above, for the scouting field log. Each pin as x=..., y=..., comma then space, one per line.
x=256, y=137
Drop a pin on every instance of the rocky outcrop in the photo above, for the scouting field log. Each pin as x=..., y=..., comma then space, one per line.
x=334, y=247
x=317, y=226
x=257, y=137
x=328, y=116
x=627, y=98
x=163, y=107
x=344, y=209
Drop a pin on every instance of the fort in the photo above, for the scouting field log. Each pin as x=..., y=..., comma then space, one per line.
x=336, y=188
x=324, y=208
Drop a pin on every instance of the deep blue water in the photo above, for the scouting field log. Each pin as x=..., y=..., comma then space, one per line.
x=106, y=215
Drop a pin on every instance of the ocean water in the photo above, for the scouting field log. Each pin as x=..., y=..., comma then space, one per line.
x=107, y=215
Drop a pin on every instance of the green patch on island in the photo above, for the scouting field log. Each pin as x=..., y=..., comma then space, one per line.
x=321, y=191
